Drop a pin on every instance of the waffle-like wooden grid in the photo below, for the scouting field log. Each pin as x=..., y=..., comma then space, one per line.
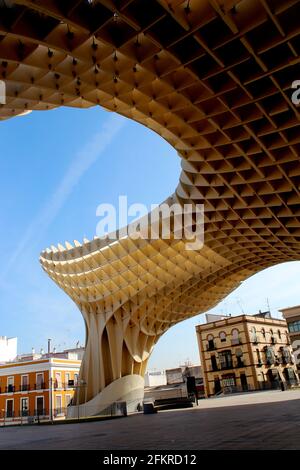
x=213, y=78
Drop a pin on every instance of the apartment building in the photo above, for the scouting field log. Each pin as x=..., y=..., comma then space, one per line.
x=36, y=388
x=292, y=317
x=245, y=353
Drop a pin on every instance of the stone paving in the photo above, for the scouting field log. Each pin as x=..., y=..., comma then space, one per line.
x=264, y=420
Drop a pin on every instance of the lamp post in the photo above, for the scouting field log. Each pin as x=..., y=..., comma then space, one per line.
x=51, y=399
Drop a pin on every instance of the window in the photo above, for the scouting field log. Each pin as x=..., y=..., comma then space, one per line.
x=253, y=337
x=294, y=327
x=258, y=357
x=270, y=356
x=225, y=359
x=39, y=381
x=24, y=406
x=286, y=356
x=10, y=384
x=279, y=334
x=68, y=399
x=24, y=383
x=228, y=381
x=58, y=404
x=263, y=332
x=67, y=377
x=214, y=364
x=273, y=339
x=57, y=380
x=211, y=344
x=235, y=337
x=239, y=356
x=222, y=336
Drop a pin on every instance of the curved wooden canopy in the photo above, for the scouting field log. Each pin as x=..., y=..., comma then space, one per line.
x=213, y=78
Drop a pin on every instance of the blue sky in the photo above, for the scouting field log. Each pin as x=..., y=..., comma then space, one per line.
x=56, y=167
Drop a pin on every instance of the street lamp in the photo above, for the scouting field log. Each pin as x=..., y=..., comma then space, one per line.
x=51, y=400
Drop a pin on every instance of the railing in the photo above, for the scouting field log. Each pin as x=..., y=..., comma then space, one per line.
x=24, y=388
x=64, y=385
x=40, y=386
x=37, y=386
x=226, y=366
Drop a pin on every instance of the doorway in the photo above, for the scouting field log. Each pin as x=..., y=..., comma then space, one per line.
x=217, y=385
x=39, y=406
x=9, y=408
x=244, y=382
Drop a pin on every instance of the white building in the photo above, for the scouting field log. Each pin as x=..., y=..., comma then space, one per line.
x=8, y=349
x=154, y=378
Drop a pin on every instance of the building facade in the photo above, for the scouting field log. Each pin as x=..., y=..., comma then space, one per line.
x=292, y=317
x=37, y=388
x=246, y=353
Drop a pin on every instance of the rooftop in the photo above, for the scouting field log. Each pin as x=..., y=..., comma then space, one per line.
x=261, y=317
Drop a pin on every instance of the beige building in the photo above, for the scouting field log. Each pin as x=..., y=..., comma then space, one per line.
x=246, y=353
x=292, y=316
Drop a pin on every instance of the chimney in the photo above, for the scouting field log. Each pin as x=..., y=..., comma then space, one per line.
x=49, y=345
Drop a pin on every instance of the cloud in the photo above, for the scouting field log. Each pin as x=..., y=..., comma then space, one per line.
x=82, y=162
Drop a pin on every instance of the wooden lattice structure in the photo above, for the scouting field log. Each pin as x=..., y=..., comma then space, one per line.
x=213, y=78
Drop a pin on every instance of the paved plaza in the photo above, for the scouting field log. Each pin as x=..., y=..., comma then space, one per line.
x=265, y=420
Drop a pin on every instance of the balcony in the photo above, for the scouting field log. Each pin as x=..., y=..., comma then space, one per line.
x=24, y=388
x=211, y=346
x=226, y=366
x=10, y=389
x=65, y=385
x=40, y=386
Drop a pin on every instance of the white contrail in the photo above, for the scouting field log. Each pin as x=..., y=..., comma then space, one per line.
x=83, y=160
